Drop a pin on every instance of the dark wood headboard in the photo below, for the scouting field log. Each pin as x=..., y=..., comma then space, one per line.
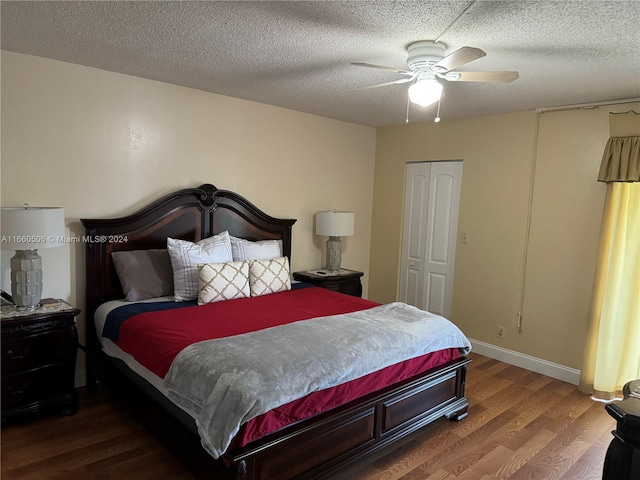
x=191, y=214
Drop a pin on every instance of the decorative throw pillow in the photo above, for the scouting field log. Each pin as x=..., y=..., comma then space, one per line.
x=144, y=273
x=186, y=256
x=223, y=281
x=269, y=276
x=261, y=250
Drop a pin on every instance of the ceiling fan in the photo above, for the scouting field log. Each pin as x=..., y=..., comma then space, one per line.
x=427, y=64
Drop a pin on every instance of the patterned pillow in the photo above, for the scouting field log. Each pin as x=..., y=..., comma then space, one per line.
x=223, y=281
x=269, y=276
x=186, y=256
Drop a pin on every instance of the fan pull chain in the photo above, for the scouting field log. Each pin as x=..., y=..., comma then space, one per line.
x=437, y=119
x=406, y=120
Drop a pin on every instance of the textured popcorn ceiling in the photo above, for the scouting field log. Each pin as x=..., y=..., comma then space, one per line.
x=297, y=54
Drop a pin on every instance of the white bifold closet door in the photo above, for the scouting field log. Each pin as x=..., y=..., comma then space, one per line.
x=432, y=202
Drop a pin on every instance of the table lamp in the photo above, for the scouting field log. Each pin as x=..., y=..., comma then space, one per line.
x=334, y=225
x=25, y=230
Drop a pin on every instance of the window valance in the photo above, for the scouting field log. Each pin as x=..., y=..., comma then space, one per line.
x=621, y=158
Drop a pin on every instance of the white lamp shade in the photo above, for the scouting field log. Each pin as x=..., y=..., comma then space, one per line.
x=335, y=224
x=425, y=92
x=31, y=227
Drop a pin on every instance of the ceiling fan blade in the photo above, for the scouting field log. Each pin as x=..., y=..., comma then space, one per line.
x=396, y=82
x=458, y=58
x=482, y=76
x=382, y=67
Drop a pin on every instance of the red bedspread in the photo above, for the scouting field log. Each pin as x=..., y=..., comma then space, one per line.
x=154, y=339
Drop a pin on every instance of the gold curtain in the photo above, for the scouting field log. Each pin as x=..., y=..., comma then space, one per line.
x=621, y=158
x=612, y=350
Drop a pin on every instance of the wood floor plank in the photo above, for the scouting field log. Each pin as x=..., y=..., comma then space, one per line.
x=490, y=387
x=493, y=406
x=440, y=475
x=539, y=381
x=583, y=468
x=455, y=453
x=517, y=458
x=521, y=426
x=411, y=460
x=515, y=374
x=559, y=455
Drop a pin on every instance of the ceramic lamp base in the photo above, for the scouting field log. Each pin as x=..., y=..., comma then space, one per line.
x=26, y=279
x=334, y=253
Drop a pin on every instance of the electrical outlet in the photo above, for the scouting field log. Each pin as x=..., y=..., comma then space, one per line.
x=500, y=332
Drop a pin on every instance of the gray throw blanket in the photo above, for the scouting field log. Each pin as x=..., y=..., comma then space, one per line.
x=225, y=382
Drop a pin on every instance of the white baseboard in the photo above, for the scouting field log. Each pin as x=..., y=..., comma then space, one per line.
x=550, y=369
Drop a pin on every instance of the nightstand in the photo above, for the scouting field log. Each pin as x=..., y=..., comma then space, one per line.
x=622, y=461
x=39, y=349
x=343, y=280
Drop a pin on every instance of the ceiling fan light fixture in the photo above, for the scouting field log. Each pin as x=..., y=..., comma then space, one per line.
x=425, y=92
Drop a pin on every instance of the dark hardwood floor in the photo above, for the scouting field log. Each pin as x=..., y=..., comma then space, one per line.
x=521, y=426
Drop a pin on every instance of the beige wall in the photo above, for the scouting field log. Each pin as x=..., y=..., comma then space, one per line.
x=102, y=144
x=499, y=153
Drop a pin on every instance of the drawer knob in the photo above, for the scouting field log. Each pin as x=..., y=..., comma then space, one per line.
x=15, y=356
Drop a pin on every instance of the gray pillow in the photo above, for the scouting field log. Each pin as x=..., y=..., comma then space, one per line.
x=144, y=273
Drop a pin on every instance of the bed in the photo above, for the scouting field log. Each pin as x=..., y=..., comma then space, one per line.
x=311, y=447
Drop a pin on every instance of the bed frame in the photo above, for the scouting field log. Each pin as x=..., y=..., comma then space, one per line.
x=311, y=449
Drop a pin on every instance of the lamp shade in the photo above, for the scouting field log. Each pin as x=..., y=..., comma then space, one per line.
x=31, y=228
x=335, y=224
x=425, y=92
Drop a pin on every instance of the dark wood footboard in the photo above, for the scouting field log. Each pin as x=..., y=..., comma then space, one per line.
x=309, y=450
x=326, y=444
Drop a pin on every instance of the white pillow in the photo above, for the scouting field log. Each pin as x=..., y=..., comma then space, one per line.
x=261, y=250
x=186, y=256
x=223, y=281
x=269, y=276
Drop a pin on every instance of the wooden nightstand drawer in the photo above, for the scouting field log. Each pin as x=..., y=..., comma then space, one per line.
x=350, y=286
x=38, y=355
x=28, y=387
x=343, y=281
x=32, y=351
